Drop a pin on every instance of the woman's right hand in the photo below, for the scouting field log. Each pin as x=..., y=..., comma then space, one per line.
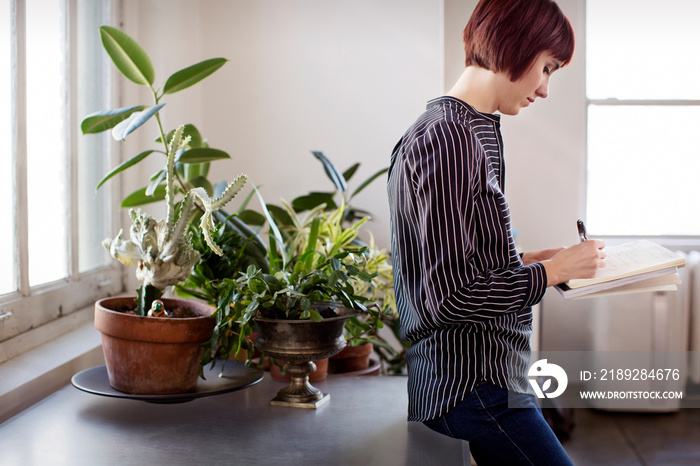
x=581, y=260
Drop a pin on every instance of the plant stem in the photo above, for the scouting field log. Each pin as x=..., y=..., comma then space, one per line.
x=156, y=99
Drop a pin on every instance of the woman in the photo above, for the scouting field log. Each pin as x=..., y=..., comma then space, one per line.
x=463, y=292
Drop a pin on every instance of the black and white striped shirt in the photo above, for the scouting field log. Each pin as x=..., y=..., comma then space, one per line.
x=462, y=291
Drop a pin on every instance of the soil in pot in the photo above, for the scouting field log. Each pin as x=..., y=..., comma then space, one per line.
x=153, y=355
x=351, y=359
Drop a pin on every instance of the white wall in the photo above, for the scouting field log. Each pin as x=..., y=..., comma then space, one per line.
x=343, y=77
x=347, y=78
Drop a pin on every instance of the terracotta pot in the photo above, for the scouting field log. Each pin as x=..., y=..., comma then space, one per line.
x=351, y=359
x=321, y=372
x=152, y=355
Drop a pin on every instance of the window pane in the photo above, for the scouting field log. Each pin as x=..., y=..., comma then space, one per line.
x=643, y=170
x=46, y=146
x=7, y=232
x=643, y=49
x=93, y=213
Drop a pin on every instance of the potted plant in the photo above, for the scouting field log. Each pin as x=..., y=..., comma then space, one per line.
x=361, y=332
x=159, y=352
x=300, y=306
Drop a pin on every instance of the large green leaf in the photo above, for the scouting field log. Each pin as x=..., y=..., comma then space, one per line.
x=309, y=201
x=131, y=162
x=136, y=119
x=251, y=217
x=192, y=171
x=192, y=75
x=368, y=181
x=335, y=176
x=139, y=198
x=201, y=155
x=196, y=140
x=101, y=121
x=280, y=215
x=128, y=56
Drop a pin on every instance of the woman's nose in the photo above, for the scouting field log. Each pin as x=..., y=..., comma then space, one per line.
x=543, y=90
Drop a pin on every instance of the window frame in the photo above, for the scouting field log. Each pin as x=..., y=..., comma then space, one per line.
x=30, y=307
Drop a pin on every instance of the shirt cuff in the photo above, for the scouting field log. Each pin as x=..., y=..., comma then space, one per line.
x=537, y=276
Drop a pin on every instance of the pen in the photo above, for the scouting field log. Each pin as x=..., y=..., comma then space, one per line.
x=581, y=230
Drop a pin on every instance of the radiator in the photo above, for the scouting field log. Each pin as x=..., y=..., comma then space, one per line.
x=692, y=289
x=662, y=325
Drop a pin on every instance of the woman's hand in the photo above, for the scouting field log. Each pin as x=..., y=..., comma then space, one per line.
x=581, y=260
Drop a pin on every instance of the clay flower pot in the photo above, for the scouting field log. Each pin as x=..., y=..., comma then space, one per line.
x=152, y=355
x=351, y=359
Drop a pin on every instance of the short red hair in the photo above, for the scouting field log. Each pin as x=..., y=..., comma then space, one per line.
x=507, y=35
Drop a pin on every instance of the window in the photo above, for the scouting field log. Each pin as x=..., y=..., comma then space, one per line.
x=642, y=84
x=55, y=73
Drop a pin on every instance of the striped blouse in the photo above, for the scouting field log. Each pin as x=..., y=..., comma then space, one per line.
x=462, y=291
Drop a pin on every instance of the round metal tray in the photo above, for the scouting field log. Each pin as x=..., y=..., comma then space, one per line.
x=236, y=376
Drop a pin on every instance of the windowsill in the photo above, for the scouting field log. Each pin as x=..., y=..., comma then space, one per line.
x=31, y=376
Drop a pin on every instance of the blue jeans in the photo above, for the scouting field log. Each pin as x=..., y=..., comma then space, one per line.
x=500, y=435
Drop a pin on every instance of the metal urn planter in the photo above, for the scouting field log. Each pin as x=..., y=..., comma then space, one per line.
x=300, y=342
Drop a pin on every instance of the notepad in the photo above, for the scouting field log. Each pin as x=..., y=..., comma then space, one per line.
x=630, y=268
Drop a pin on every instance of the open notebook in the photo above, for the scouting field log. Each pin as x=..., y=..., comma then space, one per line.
x=630, y=268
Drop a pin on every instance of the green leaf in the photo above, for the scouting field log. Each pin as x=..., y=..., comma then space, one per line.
x=251, y=217
x=128, y=56
x=252, y=307
x=315, y=316
x=347, y=174
x=335, y=263
x=129, y=163
x=192, y=171
x=135, y=120
x=202, y=182
x=196, y=140
x=201, y=155
x=335, y=176
x=101, y=121
x=277, y=236
x=311, y=246
x=368, y=181
x=280, y=215
x=139, y=198
x=192, y=75
x=157, y=174
x=313, y=200
x=204, y=168
x=155, y=183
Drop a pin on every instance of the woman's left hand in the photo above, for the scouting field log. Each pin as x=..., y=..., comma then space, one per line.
x=539, y=256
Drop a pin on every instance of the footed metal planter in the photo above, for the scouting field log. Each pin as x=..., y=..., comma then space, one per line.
x=300, y=342
x=152, y=355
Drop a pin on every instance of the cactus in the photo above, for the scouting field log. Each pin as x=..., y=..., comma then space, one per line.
x=161, y=250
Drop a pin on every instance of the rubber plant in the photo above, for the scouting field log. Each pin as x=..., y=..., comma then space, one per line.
x=162, y=250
